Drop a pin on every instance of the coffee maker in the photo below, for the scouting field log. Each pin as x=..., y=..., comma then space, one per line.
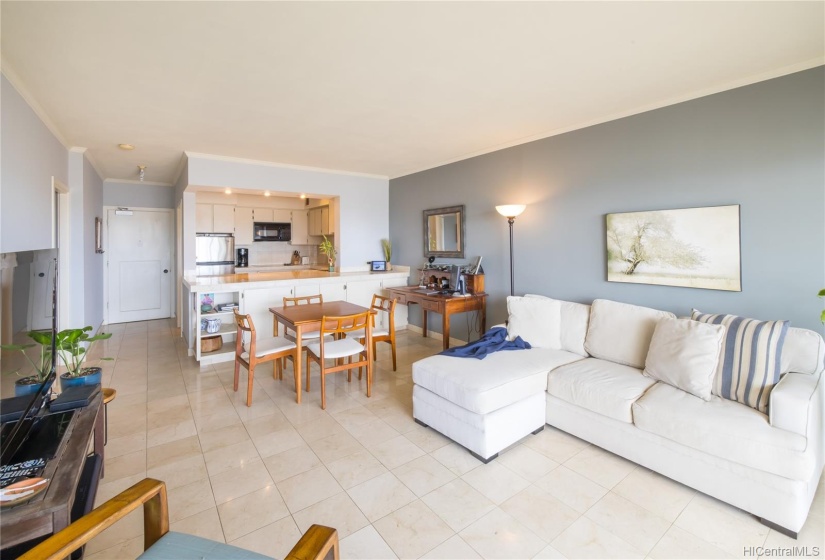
x=243, y=258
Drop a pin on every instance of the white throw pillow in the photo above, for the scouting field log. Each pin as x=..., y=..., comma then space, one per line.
x=621, y=332
x=685, y=353
x=574, y=319
x=535, y=320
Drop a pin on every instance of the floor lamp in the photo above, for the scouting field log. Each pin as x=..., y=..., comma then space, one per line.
x=510, y=211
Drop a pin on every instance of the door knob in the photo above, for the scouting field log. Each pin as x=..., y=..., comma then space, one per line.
x=42, y=274
x=165, y=271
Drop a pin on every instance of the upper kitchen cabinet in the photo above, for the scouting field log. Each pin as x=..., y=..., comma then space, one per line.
x=300, y=228
x=319, y=221
x=214, y=218
x=243, y=226
x=281, y=216
x=263, y=215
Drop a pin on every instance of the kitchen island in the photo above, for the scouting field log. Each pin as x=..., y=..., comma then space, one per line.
x=254, y=292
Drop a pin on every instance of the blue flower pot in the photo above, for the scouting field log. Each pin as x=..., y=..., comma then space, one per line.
x=25, y=387
x=93, y=377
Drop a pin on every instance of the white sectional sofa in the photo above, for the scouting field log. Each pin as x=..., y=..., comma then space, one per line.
x=637, y=382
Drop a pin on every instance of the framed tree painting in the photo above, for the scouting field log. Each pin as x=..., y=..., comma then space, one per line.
x=690, y=247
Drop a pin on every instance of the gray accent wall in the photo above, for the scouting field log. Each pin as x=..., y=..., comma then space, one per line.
x=761, y=146
x=31, y=156
x=137, y=195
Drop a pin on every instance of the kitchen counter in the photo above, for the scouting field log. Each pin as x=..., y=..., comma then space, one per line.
x=255, y=292
x=241, y=280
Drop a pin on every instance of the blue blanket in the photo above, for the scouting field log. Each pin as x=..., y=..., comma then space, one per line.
x=493, y=340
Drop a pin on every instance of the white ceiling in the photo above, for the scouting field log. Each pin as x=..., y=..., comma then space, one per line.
x=383, y=88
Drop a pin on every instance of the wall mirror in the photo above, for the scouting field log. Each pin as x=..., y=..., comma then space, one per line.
x=444, y=232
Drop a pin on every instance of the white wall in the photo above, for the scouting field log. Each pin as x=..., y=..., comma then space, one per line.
x=31, y=156
x=363, y=217
x=93, y=265
x=137, y=195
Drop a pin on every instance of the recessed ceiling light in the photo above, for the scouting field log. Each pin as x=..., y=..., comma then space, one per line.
x=228, y=191
x=126, y=146
x=266, y=193
x=303, y=195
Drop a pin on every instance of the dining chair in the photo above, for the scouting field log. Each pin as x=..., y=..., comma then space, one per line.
x=341, y=346
x=250, y=351
x=381, y=304
x=159, y=542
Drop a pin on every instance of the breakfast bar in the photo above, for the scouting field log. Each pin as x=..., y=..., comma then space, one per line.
x=208, y=301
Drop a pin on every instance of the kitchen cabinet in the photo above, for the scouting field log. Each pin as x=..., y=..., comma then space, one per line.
x=326, y=229
x=223, y=218
x=243, y=226
x=334, y=292
x=263, y=215
x=300, y=227
x=360, y=292
x=281, y=216
x=319, y=221
x=214, y=218
x=257, y=301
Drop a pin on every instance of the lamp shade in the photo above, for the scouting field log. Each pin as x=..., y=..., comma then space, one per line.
x=510, y=210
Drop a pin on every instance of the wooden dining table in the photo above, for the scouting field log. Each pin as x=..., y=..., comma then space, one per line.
x=307, y=318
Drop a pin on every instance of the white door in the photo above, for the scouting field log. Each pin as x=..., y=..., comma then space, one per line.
x=139, y=262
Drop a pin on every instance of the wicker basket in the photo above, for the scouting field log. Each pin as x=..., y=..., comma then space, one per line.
x=211, y=343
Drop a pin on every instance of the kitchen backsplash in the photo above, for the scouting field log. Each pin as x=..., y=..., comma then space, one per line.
x=273, y=253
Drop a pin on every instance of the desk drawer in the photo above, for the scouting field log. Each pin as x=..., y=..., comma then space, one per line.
x=431, y=305
x=400, y=296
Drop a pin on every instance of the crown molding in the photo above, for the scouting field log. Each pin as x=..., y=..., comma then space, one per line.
x=282, y=165
x=181, y=166
x=136, y=182
x=753, y=79
x=14, y=79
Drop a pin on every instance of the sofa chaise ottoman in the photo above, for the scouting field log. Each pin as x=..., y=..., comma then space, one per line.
x=660, y=391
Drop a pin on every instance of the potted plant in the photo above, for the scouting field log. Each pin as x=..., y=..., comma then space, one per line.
x=328, y=249
x=822, y=315
x=386, y=246
x=41, y=368
x=73, y=346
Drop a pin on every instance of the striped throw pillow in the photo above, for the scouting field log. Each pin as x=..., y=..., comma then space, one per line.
x=749, y=363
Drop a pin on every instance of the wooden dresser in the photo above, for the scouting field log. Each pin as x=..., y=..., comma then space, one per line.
x=446, y=305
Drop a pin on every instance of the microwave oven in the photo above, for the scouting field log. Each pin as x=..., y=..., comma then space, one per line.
x=272, y=231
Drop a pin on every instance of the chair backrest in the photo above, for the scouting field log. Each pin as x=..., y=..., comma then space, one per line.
x=303, y=300
x=381, y=304
x=345, y=324
x=246, y=333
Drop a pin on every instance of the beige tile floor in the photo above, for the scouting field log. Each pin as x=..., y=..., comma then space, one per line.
x=257, y=477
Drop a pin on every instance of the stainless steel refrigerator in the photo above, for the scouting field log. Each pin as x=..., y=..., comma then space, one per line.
x=214, y=254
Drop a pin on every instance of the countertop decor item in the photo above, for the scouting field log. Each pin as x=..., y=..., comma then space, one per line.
x=386, y=246
x=328, y=248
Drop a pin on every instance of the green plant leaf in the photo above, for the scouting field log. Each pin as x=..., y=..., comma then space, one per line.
x=15, y=346
x=41, y=337
x=822, y=317
x=822, y=292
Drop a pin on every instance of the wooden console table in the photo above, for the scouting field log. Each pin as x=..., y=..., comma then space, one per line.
x=444, y=304
x=49, y=511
